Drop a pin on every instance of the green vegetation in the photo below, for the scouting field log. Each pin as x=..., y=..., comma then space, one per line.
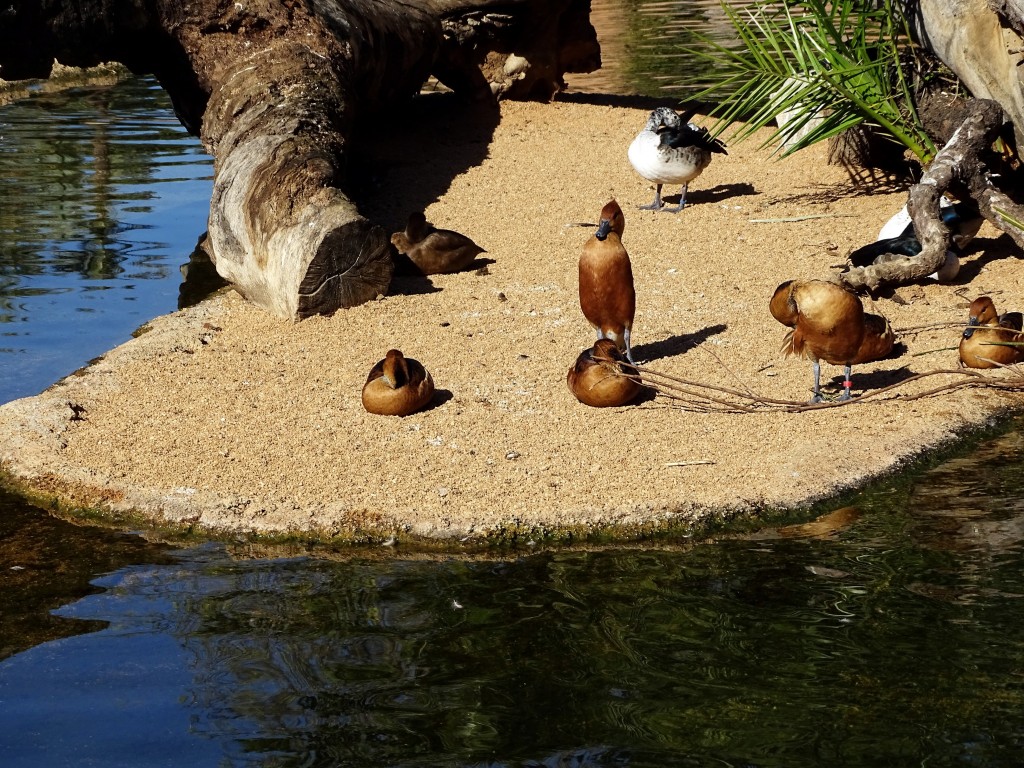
x=830, y=66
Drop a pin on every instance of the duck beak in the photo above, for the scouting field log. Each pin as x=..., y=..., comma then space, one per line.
x=972, y=323
x=603, y=229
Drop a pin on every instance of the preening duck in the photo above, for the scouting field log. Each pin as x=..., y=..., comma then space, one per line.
x=828, y=322
x=607, y=296
x=672, y=150
x=600, y=376
x=397, y=386
x=898, y=237
x=434, y=251
x=980, y=347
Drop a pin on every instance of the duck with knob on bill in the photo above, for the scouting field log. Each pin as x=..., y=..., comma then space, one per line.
x=434, y=251
x=601, y=376
x=897, y=238
x=827, y=322
x=984, y=341
x=672, y=150
x=607, y=296
x=397, y=386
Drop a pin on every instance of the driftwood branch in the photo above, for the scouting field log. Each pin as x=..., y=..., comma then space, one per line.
x=959, y=166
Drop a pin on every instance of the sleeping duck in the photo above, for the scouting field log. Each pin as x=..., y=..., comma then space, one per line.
x=600, y=376
x=397, y=386
x=434, y=251
x=828, y=322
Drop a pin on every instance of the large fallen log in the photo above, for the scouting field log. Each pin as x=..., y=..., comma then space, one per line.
x=274, y=87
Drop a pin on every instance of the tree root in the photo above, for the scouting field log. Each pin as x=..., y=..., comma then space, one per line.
x=959, y=167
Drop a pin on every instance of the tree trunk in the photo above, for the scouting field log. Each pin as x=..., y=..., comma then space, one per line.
x=274, y=87
x=981, y=41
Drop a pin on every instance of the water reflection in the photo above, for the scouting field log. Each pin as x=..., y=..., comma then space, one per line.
x=645, y=46
x=102, y=196
x=776, y=650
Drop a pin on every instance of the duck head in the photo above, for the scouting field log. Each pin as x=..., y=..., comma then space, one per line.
x=782, y=306
x=663, y=117
x=396, y=370
x=982, y=312
x=605, y=350
x=416, y=226
x=612, y=220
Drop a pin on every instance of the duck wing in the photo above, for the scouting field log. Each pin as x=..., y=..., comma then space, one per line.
x=690, y=135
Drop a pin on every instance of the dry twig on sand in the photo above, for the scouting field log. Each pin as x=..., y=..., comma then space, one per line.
x=697, y=396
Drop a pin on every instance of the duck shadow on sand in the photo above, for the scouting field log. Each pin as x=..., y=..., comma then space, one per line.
x=869, y=381
x=440, y=397
x=409, y=281
x=712, y=195
x=982, y=251
x=675, y=345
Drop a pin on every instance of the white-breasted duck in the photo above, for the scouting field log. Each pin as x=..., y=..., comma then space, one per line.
x=672, y=150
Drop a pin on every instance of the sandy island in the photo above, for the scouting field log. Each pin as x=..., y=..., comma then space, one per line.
x=222, y=418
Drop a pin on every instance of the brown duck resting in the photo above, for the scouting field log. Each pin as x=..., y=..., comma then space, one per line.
x=980, y=345
x=434, y=251
x=607, y=296
x=397, y=386
x=828, y=322
x=600, y=376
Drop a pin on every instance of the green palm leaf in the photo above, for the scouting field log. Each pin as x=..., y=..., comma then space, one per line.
x=830, y=66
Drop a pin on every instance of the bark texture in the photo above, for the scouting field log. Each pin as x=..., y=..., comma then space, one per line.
x=961, y=167
x=274, y=88
x=981, y=41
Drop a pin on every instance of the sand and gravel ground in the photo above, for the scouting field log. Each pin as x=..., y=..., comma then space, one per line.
x=224, y=417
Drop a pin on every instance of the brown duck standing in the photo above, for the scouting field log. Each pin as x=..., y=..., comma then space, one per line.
x=607, y=296
x=984, y=327
x=397, y=386
x=829, y=323
x=434, y=251
x=600, y=376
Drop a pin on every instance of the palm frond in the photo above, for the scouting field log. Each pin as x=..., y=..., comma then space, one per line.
x=824, y=67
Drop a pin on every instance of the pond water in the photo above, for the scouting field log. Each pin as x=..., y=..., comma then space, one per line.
x=103, y=196
x=888, y=631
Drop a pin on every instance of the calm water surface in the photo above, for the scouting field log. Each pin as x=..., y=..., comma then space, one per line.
x=889, y=632
x=102, y=199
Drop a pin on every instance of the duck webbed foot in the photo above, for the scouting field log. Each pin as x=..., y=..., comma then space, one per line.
x=657, y=205
x=682, y=202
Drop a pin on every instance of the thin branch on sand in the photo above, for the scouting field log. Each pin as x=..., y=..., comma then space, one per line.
x=698, y=396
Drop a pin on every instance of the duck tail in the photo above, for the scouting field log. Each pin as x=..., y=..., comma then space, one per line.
x=791, y=344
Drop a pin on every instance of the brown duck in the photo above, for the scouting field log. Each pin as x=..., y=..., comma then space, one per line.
x=829, y=323
x=434, y=251
x=984, y=327
x=607, y=296
x=600, y=376
x=397, y=386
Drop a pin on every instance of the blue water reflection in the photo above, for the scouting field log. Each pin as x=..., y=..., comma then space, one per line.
x=890, y=636
x=102, y=198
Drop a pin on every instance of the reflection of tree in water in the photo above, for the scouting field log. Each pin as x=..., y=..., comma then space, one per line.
x=72, y=163
x=741, y=651
x=658, y=35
